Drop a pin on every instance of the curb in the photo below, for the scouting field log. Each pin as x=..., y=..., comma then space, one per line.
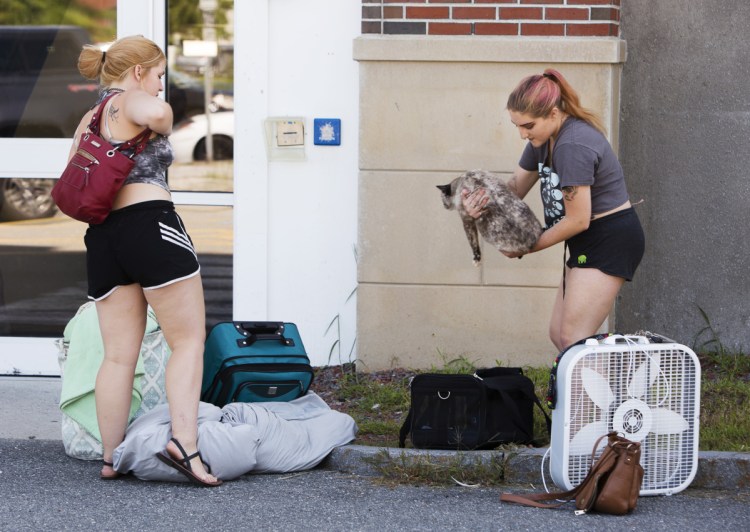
x=716, y=470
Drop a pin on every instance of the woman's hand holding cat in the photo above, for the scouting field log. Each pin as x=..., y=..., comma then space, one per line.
x=512, y=254
x=474, y=202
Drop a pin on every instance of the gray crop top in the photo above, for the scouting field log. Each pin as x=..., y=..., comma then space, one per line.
x=581, y=156
x=152, y=163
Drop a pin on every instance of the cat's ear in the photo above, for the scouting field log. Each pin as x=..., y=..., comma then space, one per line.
x=445, y=189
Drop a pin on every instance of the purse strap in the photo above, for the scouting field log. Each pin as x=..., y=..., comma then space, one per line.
x=536, y=500
x=139, y=141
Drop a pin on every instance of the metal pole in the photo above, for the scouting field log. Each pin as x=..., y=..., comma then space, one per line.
x=209, y=34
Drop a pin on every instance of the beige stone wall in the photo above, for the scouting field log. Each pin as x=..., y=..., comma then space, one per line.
x=431, y=108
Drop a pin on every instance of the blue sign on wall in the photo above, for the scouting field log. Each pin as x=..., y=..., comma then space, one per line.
x=327, y=131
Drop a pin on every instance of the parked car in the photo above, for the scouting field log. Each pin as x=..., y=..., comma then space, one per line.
x=189, y=137
x=186, y=96
x=43, y=96
x=26, y=199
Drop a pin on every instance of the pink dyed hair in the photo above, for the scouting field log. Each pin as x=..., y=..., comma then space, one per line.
x=537, y=95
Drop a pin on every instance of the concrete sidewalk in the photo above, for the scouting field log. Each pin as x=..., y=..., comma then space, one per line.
x=30, y=412
x=29, y=408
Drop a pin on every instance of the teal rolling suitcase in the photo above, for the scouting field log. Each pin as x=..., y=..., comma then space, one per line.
x=254, y=361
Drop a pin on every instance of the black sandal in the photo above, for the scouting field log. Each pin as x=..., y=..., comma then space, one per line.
x=183, y=465
x=111, y=476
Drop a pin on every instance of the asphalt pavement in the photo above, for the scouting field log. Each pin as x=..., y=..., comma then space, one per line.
x=43, y=489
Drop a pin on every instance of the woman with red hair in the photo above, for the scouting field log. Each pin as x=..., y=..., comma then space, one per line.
x=586, y=203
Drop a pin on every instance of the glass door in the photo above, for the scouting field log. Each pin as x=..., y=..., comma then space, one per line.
x=200, y=48
x=200, y=54
x=42, y=97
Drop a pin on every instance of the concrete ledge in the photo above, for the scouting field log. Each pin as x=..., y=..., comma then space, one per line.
x=489, y=49
x=716, y=470
x=729, y=470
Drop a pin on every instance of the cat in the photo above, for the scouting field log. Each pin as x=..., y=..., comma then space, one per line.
x=507, y=222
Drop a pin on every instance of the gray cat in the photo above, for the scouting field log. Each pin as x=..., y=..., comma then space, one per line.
x=507, y=223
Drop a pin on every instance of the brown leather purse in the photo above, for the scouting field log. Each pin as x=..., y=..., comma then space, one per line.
x=611, y=486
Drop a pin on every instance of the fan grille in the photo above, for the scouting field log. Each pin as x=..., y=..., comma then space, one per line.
x=648, y=393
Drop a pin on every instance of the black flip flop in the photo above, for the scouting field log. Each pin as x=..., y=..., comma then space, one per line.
x=183, y=465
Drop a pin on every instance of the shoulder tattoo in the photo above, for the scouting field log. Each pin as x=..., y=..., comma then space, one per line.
x=113, y=112
x=569, y=193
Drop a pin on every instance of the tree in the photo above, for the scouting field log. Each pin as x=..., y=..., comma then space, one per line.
x=186, y=20
x=100, y=23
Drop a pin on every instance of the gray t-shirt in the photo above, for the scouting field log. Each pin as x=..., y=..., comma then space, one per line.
x=582, y=157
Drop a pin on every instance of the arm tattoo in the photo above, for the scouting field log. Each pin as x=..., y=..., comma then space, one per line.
x=569, y=193
x=113, y=112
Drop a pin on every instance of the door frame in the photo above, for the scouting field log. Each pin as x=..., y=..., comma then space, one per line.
x=39, y=356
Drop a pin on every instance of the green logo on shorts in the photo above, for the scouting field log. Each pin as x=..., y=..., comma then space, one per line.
x=581, y=259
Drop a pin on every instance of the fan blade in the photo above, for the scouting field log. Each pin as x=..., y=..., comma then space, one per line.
x=667, y=422
x=583, y=441
x=597, y=388
x=644, y=377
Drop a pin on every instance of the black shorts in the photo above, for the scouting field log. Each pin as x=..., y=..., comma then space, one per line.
x=144, y=243
x=613, y=244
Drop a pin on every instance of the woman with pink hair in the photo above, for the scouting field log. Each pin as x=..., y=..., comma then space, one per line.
x=585, y=199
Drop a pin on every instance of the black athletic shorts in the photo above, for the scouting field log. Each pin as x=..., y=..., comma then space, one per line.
x=144, y=243
x=613, y=244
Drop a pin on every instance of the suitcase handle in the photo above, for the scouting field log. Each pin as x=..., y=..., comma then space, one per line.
x=261, y=330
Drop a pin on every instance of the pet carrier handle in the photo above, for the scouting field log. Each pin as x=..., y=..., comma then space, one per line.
x=491, y=378
x=404, y=430
x=515, y=415
x=261, y=330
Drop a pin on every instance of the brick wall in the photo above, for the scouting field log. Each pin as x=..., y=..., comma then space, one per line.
x=559, y=18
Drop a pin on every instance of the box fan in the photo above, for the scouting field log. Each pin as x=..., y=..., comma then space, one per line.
x=645, y=387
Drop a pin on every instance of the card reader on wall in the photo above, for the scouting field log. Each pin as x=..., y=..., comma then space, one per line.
x=285, y=138
x=290, y=133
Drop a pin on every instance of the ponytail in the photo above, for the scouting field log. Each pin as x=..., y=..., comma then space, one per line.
x=90, y=62
x=121, y=56
x=537, y=95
